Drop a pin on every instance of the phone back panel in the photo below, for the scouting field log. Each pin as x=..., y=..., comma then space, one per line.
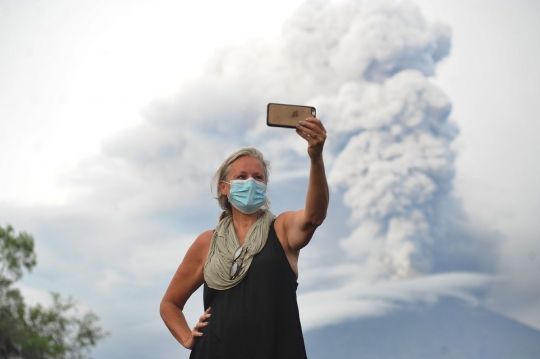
x=287, y=115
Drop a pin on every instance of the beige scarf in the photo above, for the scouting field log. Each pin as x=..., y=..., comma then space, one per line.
x=225, y=243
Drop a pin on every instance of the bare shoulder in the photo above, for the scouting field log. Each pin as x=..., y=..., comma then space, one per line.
x=195, y=258
x=282, y=218
x=287, y=219
x=204, y=238
x=280, y=225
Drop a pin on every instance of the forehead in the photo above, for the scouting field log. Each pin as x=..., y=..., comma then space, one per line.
x=246, y=164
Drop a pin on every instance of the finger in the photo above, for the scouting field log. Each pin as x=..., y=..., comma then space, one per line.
x=312, y=141
x=206, y=315
x=304, y=135
x=312, y=129
x=305, y=129
x=195, y=332
x=203, y=317
x=200, y=325
x=312, y=137
x=317, y=122
x=314, y=124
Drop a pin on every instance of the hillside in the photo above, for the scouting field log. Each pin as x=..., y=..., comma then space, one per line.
x=448, y=329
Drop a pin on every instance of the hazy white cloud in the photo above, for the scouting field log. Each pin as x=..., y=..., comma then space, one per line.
x=110, y=279
x=360, y=299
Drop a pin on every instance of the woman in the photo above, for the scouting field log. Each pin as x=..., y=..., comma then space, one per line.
x=249, y=263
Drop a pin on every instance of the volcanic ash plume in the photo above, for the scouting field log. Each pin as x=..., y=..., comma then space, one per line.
x=395, y=169
x=393, y=161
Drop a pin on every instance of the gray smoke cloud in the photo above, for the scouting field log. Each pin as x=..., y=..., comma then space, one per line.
x=395, y=169
x=390, y=134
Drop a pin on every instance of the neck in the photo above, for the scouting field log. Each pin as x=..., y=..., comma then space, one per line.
x=242, y=223
x=242, y=219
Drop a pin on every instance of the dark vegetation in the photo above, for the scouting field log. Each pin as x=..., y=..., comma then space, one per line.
x=38, y=332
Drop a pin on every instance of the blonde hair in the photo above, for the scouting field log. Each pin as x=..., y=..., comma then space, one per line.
x=223, y=171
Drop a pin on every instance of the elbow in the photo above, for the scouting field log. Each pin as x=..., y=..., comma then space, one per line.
x=165, y=308
x=162, y=306
x=317, y=221
x=167, y=305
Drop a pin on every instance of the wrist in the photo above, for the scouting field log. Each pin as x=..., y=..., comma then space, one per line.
x=316, y=158
x=186, y=340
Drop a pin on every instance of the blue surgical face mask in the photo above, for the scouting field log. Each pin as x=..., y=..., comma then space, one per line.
x=247, y=196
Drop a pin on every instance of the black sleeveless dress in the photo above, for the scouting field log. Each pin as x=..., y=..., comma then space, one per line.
x=258, y=318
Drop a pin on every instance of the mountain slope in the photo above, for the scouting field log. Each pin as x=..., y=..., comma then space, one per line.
x=448, y=329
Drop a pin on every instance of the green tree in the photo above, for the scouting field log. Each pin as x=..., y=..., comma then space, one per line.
x=38, y=332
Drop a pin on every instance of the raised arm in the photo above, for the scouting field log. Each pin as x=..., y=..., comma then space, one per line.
x=187, y=279
x=298, y=227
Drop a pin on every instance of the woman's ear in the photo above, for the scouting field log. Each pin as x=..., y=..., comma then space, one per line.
x=223, y=188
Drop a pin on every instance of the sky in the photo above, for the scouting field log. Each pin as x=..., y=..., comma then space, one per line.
x=115, y=114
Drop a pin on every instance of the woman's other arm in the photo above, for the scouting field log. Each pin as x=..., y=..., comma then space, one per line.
x=187, y=279
x=298, y=227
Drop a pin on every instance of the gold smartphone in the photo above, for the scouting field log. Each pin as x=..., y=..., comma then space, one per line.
x=280, y=115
